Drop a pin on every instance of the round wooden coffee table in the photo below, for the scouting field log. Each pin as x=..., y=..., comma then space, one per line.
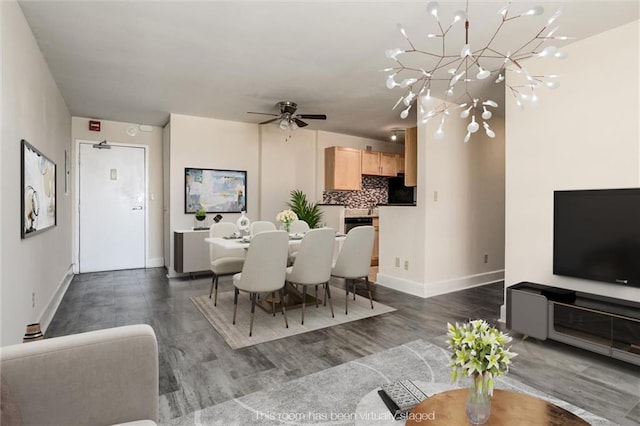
x=507, y=408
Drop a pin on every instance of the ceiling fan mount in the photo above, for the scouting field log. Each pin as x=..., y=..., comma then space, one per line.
x=287, y=119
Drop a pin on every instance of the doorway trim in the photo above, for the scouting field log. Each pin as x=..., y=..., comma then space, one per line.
x=76, y=198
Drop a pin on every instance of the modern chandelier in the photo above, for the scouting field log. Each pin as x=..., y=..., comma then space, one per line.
x=459, y=77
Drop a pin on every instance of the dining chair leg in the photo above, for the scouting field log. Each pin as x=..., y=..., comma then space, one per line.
x=346, y=299
x=284, y=311
x=273, y=303
x=235, y=304
x=254, y=296
x=366, y=280
x=213, y=281
x=304, y=297
x=326, y=286
x=215, y=297
x=354, y=288
x=316, y=296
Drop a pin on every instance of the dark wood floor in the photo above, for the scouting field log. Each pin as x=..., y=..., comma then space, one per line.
x=198, y=369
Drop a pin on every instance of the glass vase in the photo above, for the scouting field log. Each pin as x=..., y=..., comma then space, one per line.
x=287, y=226
x=478, y=404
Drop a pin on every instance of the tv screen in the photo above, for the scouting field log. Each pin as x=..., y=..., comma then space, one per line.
x=596, y=235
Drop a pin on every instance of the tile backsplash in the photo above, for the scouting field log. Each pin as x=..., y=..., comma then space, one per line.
x=375, y=190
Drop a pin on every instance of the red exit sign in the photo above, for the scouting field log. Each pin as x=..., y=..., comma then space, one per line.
x=94, y=125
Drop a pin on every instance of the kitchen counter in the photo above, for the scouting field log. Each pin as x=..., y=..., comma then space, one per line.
x=360, y=213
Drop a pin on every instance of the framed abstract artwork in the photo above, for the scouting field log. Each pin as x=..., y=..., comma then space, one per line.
x=38, y=193
x=215, y=191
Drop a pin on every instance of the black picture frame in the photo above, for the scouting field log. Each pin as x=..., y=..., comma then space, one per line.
x=215, y=190
x=38, y=191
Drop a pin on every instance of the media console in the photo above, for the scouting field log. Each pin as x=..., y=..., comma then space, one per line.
x=597, y=323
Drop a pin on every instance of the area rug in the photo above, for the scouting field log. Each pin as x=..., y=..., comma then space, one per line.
x=346, y=394
x=266, y=327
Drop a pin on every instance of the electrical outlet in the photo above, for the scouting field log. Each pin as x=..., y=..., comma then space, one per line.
x=486, y=258
x=406, y=265
x=33, y=299
x=397, y=262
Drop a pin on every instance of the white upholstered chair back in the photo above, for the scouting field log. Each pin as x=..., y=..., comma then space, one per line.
x=266, y=262
x=219, y=230
x=314, y=259
x=261, y=226
x=299, y=227
x=354, y=259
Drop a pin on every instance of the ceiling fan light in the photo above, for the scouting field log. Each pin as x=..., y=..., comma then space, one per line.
x=283, y=124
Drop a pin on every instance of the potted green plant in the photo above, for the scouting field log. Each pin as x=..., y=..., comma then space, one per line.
x=305, y=210
x=201, y=214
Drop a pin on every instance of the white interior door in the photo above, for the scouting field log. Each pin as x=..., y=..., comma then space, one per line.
x=112, y=208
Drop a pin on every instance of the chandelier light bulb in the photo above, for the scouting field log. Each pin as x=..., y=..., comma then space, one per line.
x=490, y=103
x=486, y=114
x=552, y=84
x=407, y=82
x=535, y=11
x=482, y=73
x=466, y=51
x=432, y=9
x=554, y=17
x=393, y=53
x=405, y=113
x=473, y=126
x=402, y=31
x=459, y=16
x=391, y=83
x=561, y=55
x=500, y=78
x=489, y=131
x=467, y=137
x=503, y=10
x=465, y=113
x=409, y=98
x=547, y=51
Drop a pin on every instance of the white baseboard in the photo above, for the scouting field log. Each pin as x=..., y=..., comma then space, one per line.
x=50, y=309
x=435, y=288
x=156, y=262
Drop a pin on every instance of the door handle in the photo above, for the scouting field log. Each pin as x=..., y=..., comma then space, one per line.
x=137, y=208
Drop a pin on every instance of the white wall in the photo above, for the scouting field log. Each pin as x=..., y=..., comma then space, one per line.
x=116, y=132
x=585, y=134
x=287, y=162
x=210, y=144
x=444, y=241
x=32, y=109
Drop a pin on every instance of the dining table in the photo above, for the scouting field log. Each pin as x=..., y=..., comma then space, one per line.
x=293, y=297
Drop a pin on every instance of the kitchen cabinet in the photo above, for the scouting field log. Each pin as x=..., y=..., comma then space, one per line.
x=399, y=164
x=375, y=255
x=378, y=163
x=342, y=169
x=411, y=157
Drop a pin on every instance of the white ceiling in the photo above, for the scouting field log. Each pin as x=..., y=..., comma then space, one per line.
x=138, y=61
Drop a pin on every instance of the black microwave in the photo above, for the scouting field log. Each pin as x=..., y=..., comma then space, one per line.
x=400, y=194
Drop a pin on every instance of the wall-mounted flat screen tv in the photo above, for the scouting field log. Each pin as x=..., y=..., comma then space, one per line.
x=596, y=235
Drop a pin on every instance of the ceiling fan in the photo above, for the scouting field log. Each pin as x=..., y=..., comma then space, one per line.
x=288, y=119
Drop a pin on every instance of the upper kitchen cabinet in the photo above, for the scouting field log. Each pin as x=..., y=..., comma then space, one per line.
x=399, y=163
x=342, y=169
x=378, y=163
x=411, y=157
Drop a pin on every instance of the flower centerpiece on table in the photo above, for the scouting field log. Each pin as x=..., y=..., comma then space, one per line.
x=478, y=351
x=286, y=217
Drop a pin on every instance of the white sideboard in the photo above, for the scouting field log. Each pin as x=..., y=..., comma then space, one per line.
x=190, y=251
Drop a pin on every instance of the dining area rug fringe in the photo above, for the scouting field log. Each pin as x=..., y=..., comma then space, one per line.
x=267, y=327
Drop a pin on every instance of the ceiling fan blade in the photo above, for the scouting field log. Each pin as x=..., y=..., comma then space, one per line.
x=313, y=116
x=270, y=121
x=299, y=122
x=263, y=113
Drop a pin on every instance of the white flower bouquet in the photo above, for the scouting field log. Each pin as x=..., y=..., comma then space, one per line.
x=286, y=217
x=479, y=351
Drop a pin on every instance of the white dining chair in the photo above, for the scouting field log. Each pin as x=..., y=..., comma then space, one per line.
x=354, y=260
x=313, y=263
x=264, y=271
x=223, y=261
x=298, y=226
x=261, y=226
